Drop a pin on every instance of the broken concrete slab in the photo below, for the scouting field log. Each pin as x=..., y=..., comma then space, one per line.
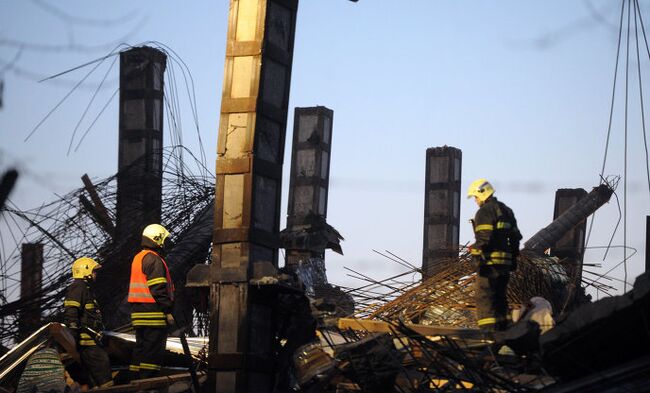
x=600, y=335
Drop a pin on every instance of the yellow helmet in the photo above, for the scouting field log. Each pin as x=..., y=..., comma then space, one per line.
x=156, y=233
x=83, y=267
x=481, y=189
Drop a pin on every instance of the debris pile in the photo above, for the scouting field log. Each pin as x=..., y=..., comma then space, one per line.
x=391, y=335
x=178, y=362
x=69, y=230
x=447, y=298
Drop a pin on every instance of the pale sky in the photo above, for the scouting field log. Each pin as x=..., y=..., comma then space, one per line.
x=522, y=88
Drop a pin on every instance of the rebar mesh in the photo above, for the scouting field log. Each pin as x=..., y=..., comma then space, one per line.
x=68, y=231
x=447, y=297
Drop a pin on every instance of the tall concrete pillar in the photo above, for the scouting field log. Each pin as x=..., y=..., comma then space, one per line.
x=441, y=208
x=31, y=282
x=309, y=182
x=250, y=151
x=572, y=244
x=139, y=179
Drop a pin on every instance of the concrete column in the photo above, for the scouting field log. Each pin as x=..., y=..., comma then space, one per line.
x=250, y=153
x=31, y=282
x=572, y=244
x=309, y=181
x=441, y=208
x=573, y=216
x=139, y=179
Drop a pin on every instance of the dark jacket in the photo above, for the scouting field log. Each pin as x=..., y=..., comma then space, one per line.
x=81, y=310
x=497, y=235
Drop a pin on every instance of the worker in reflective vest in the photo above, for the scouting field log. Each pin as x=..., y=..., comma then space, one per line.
x=495, y=251
x=82, y=316
x=151, y=294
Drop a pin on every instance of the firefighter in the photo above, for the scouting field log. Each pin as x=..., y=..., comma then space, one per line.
x=83, y=318
x=495, y=251
x=151, y=294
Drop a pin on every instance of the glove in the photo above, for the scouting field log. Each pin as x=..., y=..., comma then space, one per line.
x=100, y=339
x=474, y=251
x=170, y=319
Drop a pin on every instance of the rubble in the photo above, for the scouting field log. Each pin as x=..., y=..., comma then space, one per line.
x=118, y=346
x=601, y=335
x=66, y=230
x=386, y=336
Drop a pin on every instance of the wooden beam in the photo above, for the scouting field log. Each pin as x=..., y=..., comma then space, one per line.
x=107, y=226
x=101, y=210
x=151, y=383
x=425, y=330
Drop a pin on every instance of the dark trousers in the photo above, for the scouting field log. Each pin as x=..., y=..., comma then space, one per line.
x=149, y=351
x=491, y=302
x=96, y=361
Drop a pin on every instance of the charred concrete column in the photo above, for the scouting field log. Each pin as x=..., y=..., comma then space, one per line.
x=574, y=215
x=250, y=151
x=572, y=244
x=139, y=179
x=309, y=181
x=441, y=208
x=31, y=281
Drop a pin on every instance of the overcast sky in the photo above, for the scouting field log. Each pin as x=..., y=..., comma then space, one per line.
x=522, y=88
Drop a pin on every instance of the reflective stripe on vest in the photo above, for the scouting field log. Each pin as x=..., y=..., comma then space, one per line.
x=139, y=286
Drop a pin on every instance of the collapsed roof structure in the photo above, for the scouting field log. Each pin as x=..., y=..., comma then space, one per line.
x=263, y=328
x=428, y=327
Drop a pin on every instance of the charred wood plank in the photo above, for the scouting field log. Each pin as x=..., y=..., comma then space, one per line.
x=425, y=330
x=99, y=209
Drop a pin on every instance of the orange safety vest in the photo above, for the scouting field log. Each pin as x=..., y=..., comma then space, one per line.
x=138, y=289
